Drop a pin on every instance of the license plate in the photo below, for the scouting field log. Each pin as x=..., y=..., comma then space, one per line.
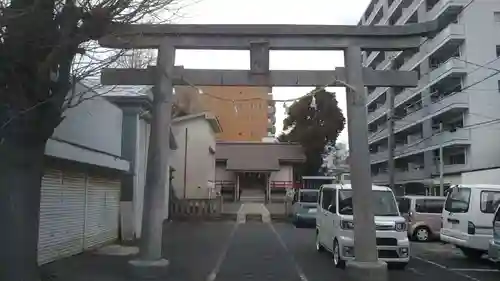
x=312, y=210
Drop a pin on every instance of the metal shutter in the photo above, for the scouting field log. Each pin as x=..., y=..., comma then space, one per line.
x=102, y=214
x=62, y=213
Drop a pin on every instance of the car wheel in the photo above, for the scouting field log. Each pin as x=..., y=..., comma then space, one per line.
x=422, y=234
x=319, y=247
x=472, y=254
x=337, y=260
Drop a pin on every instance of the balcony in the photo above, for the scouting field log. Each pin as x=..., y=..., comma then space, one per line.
x=451, y=68
x=461, y=137
x=408, y=12
x=449, y=169
x=374, y=13
x=374, y=137
x=370, y=58
x=453, y=102
x=379, y=112
x=380, y=156
x=451, y=37
x=456, y=101
x=446, y=9
x=391, y=10
x=375, y=94
x=400, y=176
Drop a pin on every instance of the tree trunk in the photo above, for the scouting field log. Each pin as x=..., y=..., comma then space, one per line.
x=22, y=150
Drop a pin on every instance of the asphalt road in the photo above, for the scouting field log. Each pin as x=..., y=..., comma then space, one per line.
x=224, y=251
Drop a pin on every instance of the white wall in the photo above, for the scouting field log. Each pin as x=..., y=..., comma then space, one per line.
x=200, y=165
x=284, y=174
x=491, y=176
x=94, y=123
x=482, y=37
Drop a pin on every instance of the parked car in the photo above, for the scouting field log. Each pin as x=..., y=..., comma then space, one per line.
x=494, y=249
x=467, y=218
x=423, y=215
x=305, y=203
x=335, y=225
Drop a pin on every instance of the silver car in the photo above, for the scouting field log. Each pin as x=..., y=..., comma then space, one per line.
x=423, y=215
x=305, y=203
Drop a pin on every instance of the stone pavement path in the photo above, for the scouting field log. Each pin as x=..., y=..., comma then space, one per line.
x=255, y=253
x=201, y=251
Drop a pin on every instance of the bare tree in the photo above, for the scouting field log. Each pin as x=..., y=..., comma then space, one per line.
x=45, y=46
x=136, y=58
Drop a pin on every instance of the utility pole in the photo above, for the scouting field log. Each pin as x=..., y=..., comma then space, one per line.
x=366, y=262
x=441, y=164
x=150, y=263
x=391, y=142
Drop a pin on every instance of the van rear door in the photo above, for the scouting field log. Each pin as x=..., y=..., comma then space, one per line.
x=455, y=213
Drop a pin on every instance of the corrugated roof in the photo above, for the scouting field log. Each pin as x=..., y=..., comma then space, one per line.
x=257, y=156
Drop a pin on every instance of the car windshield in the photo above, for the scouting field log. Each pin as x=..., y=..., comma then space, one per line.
x=383, y=203
x=309, y=196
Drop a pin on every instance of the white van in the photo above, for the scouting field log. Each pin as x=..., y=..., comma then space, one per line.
x=334, y=225
x=467, y=217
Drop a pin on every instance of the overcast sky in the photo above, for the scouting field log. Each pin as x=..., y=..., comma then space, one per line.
x=272, y=12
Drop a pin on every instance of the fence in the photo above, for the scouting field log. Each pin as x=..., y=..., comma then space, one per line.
x=196, y=208
x=279, y=189
x=227, y=189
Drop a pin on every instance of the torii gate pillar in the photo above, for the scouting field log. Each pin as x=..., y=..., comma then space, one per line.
x=151, y=263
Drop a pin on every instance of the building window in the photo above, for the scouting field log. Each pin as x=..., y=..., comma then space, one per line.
x=498, y=50
x=498, y=86
x=457, y=159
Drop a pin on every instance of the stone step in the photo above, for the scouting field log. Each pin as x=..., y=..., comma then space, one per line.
x=251, y=211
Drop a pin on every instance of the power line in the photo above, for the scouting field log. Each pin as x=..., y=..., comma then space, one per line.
x=451, y=93
x=484, y=123
x=497, y=71
x=458, y=84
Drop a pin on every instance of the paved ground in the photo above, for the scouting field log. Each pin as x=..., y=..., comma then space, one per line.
x=225, y=251
x=432, y=261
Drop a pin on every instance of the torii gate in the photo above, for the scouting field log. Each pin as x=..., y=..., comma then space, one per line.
x=260, y=39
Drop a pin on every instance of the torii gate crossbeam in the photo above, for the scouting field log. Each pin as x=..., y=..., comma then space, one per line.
x=260, y=39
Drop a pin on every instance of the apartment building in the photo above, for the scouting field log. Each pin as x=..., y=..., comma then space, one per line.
x=456, y=103
x=244, y=113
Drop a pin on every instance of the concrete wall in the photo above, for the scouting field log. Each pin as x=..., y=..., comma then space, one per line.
x=284, y=174
x=482, y=37
x=200, y=165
